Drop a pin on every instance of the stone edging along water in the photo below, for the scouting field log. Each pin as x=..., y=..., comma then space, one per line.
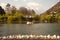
x=31, y=37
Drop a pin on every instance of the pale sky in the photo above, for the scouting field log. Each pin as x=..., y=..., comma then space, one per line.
x=38, y=5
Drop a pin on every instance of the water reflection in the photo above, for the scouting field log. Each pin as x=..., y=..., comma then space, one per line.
x=1, y=25
x=23, y=29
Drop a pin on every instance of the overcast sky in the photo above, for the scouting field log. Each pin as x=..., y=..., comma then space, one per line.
x=38, y=5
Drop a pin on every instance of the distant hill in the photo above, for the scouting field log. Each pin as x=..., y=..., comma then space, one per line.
x=52, y=15
x=54, y=9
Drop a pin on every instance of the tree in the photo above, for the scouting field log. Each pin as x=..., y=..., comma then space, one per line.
x=8, y=9
x=2, y=12
x=13, y=10
x=37, y=18
x=31, y=12
x=23, y=10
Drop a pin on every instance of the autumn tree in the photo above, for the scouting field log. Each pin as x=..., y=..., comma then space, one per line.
x=31, y=12
x=23, y=10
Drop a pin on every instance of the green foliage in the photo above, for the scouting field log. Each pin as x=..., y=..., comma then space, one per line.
x=58, y=17
x=21, y=17
x=37, y=18
x=48, y=17
x=15, y=17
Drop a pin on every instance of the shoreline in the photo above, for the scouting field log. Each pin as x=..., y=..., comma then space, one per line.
x=33, y=23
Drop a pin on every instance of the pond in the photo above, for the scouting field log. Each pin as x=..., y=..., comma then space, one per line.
x=24, y=29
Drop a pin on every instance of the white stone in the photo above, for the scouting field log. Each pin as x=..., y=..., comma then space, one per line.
x=48, y=36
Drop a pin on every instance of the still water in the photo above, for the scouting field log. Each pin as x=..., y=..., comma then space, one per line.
x=24, y=29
